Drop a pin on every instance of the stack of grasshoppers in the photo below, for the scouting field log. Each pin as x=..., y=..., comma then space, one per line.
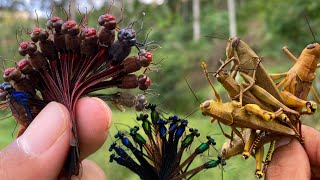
x=262, y=110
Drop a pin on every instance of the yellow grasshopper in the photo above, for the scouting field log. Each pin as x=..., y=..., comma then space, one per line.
x=298, y=80
x=251, y=116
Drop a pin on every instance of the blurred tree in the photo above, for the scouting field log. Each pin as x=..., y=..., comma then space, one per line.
x=196, y=20
x=232, y=18
x=12, y=4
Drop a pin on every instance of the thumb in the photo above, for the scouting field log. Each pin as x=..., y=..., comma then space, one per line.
x=41, y=151
x=289, y=161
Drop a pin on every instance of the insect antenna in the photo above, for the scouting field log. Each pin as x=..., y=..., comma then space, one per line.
x=135, y=21
x=191, y=90
x=122, y=125
x=314, y=38
x=65, y=11
x=51, y=12
x=19, y=34
x=15, y=127
x=217, y=36
x=110, y=6
x=37, y=18
x=191, y=113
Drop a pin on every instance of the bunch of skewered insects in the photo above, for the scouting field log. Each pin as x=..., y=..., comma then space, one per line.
x=264, y=110
x=67, y=60
x=160, y=155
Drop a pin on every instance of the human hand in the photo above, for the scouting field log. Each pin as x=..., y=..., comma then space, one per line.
x=291, y=161
x=42, y=149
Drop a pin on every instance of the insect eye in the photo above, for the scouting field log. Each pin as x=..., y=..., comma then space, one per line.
x=311, y=46
x=206, y=104
x=235, y=42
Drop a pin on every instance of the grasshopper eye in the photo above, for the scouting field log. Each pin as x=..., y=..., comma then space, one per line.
x=235, y=42
x=311, y=46
x=206, y=104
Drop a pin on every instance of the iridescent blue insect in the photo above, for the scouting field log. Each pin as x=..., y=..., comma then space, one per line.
x=160, y=154
x=21, y=103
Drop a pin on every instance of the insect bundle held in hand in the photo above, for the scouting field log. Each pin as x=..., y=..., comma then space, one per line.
x=67, y=60
x=159, y=153
x=266, y=113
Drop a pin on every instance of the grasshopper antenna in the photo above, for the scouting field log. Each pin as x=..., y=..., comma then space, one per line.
x=306, y=17
x=217, y=36
x=191, y=113
x=191, y=90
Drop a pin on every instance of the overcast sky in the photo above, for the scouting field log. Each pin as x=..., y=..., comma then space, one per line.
x=31, y=5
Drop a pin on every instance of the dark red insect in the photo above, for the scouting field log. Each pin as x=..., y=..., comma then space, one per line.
x=76, y=61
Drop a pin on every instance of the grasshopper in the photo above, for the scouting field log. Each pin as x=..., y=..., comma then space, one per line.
x=250, y=116
x=298, y=80
x=245, y=59
x=242, y=55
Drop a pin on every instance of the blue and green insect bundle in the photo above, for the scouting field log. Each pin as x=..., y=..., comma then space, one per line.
x=68, y=60
x=158, y=154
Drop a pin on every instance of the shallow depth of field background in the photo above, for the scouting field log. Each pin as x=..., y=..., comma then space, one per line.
x=266, y=26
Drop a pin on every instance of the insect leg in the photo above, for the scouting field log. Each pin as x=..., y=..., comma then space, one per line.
x=204, y=67
x=252, y=80
x=223, y=65
x=246, y=151
x=266, y=97
x=240, y=94
x=315, y=95
x=235, y=67
x=278, y=76
x=292, y=101
x=288, y=53
x=281, y=82
x=237, y=133
x=256, y=110
x=268, y=157
x=225, y=134
x=259, y=156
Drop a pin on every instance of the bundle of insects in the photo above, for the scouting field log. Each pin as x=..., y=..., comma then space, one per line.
x=266, y=113
x=68, y=60
x=160, y=154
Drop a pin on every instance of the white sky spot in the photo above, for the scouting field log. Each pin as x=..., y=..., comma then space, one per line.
x=152, y=1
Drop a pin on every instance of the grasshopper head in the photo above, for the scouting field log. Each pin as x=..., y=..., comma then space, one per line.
x=313, y=49
x=206, y=106
x=233, y=43
x=217, y=110
x=233, y=148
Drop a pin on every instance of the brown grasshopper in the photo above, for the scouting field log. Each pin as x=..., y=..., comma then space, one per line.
x=244, y=55
x=245, y=59
x=298, y=80
x=250, y=116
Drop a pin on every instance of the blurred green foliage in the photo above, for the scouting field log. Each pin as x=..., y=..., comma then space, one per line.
x=266, y=26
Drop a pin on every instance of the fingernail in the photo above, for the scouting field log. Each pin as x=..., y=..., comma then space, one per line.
x=107, y=109
x=45, y=129
x=283, y=141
